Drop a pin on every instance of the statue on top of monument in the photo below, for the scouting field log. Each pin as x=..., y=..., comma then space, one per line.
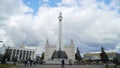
x=60, y=16
x=72, y=41
x=47, y=41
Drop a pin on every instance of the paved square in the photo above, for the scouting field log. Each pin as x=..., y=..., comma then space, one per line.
x=59, y=66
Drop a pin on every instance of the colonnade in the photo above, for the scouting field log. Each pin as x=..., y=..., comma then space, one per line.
x=21, y=54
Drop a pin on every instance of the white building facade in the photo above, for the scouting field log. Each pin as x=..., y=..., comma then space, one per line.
x=21, y=53
x=49, y=49
x=69, y=49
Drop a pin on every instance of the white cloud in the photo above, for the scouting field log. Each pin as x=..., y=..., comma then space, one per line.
x=89, y=26
x=45, y=1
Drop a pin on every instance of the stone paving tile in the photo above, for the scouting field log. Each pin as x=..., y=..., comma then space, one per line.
x=59, y=66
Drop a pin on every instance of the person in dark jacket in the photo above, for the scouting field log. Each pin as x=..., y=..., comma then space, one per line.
x=25, y=62
x=31, y=62
x=63, y=64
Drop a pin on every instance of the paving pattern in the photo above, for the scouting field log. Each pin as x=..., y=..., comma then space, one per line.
x=59, y=66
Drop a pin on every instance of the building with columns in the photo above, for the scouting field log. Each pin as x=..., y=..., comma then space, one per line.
x=21, y=53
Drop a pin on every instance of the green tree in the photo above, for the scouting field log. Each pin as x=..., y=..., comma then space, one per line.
x=6, y=56
x=103, y=55
x=42, y=56
x=77, y=55
x=115, y=60
x=1, y=57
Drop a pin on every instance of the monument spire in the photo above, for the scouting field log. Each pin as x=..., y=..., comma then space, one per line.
x=60, y=30
x=72, y=41
x=47, y=41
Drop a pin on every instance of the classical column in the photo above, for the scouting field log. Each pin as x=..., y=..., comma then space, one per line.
x=22, y=55
x=11, y=54
x=29, y=55
x=15, y=52
x=18, y=55
x=25, y=55
x=33, y=55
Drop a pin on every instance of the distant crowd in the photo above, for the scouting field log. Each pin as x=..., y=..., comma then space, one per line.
x=30, y=62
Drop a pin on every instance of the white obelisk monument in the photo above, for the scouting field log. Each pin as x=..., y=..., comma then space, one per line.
x=60, y=30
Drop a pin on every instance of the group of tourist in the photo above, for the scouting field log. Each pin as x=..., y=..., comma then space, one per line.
x=28, y=62
x=31, y=62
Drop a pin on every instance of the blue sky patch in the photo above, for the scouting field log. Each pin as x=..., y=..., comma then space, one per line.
x=53, y=3
x=107, y=2
x=35, y=4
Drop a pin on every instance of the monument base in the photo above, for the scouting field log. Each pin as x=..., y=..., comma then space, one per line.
x=56, y=61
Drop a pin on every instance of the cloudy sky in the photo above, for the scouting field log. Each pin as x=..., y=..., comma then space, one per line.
x=90, y=23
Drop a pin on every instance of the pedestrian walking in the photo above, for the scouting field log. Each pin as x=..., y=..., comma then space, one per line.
x=63, y=63
x=31, y=62
x=25, y=62
x=70, y=62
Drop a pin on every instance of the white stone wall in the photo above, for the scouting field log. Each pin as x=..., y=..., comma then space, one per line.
x=2, y=50
x=16, y=52
x=70, y=50
x=49, y=49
